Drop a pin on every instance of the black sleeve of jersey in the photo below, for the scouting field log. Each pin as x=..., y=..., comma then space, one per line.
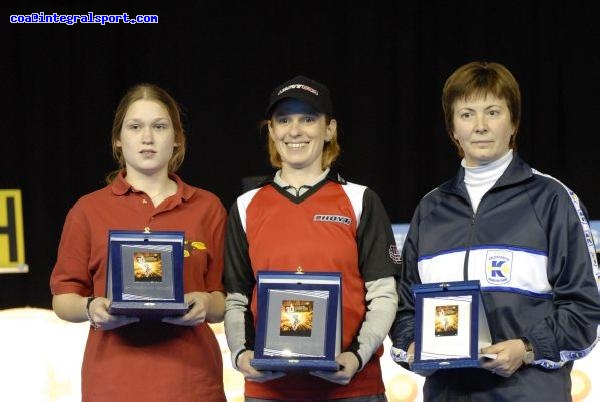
x=377, y=254
x=238, y=276
x=402, y=331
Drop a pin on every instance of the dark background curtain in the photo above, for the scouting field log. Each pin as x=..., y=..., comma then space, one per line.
x=385, y=62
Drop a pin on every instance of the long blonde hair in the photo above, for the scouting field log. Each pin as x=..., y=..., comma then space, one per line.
x=153, y=93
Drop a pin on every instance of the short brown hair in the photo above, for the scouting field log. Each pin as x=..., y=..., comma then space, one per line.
x=478, y=79
x=153, y=93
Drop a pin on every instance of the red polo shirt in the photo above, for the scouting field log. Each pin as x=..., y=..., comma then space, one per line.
x=145, y=361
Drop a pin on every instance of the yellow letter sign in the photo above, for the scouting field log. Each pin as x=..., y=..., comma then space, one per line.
x=12, y=240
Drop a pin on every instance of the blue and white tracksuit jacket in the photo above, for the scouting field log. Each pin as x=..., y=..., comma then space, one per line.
x=531, y=248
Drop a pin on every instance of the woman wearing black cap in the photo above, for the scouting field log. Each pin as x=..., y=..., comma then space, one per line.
x=308, y=216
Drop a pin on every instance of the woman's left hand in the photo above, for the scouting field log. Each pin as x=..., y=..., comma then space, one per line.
x=348, y=367
x=509, y=357
x=196, y=315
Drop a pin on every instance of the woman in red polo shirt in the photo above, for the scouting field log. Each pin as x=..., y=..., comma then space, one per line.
x=126, y=359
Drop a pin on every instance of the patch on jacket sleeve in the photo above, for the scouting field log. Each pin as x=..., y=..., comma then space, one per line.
x=395, y=254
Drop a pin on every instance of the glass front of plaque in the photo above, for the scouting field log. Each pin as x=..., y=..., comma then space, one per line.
x=145, y=273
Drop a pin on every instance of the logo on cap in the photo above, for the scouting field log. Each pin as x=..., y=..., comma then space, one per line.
x=298, y=86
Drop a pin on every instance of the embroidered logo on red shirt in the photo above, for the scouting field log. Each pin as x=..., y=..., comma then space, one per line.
x=333, y=219
x=190, y=246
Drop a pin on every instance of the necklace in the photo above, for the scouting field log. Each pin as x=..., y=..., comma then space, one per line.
x=157, y=197
x=152, y=197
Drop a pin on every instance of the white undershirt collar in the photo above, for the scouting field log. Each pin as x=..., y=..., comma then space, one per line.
x=302, y=189
x=479, y=179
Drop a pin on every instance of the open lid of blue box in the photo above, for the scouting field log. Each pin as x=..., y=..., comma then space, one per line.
x=450, y=325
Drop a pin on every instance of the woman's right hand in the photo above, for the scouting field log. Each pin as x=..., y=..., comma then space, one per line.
x=411, y=359
x=102, y=319
x=252, y=374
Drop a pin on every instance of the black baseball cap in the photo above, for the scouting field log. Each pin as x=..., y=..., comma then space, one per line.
x=304, y=89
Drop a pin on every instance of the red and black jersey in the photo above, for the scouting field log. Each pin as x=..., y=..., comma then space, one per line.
x=335, y=226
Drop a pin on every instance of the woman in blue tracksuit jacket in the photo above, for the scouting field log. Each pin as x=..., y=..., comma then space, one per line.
x=524, y=235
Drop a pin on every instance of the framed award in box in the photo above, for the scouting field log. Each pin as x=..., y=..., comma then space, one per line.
x=145, y=274
x=299, y=323
x=450, y=326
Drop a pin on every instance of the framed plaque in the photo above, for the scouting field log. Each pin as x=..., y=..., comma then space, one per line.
x=145, y=273
x=450, y=326
x=299, y=323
